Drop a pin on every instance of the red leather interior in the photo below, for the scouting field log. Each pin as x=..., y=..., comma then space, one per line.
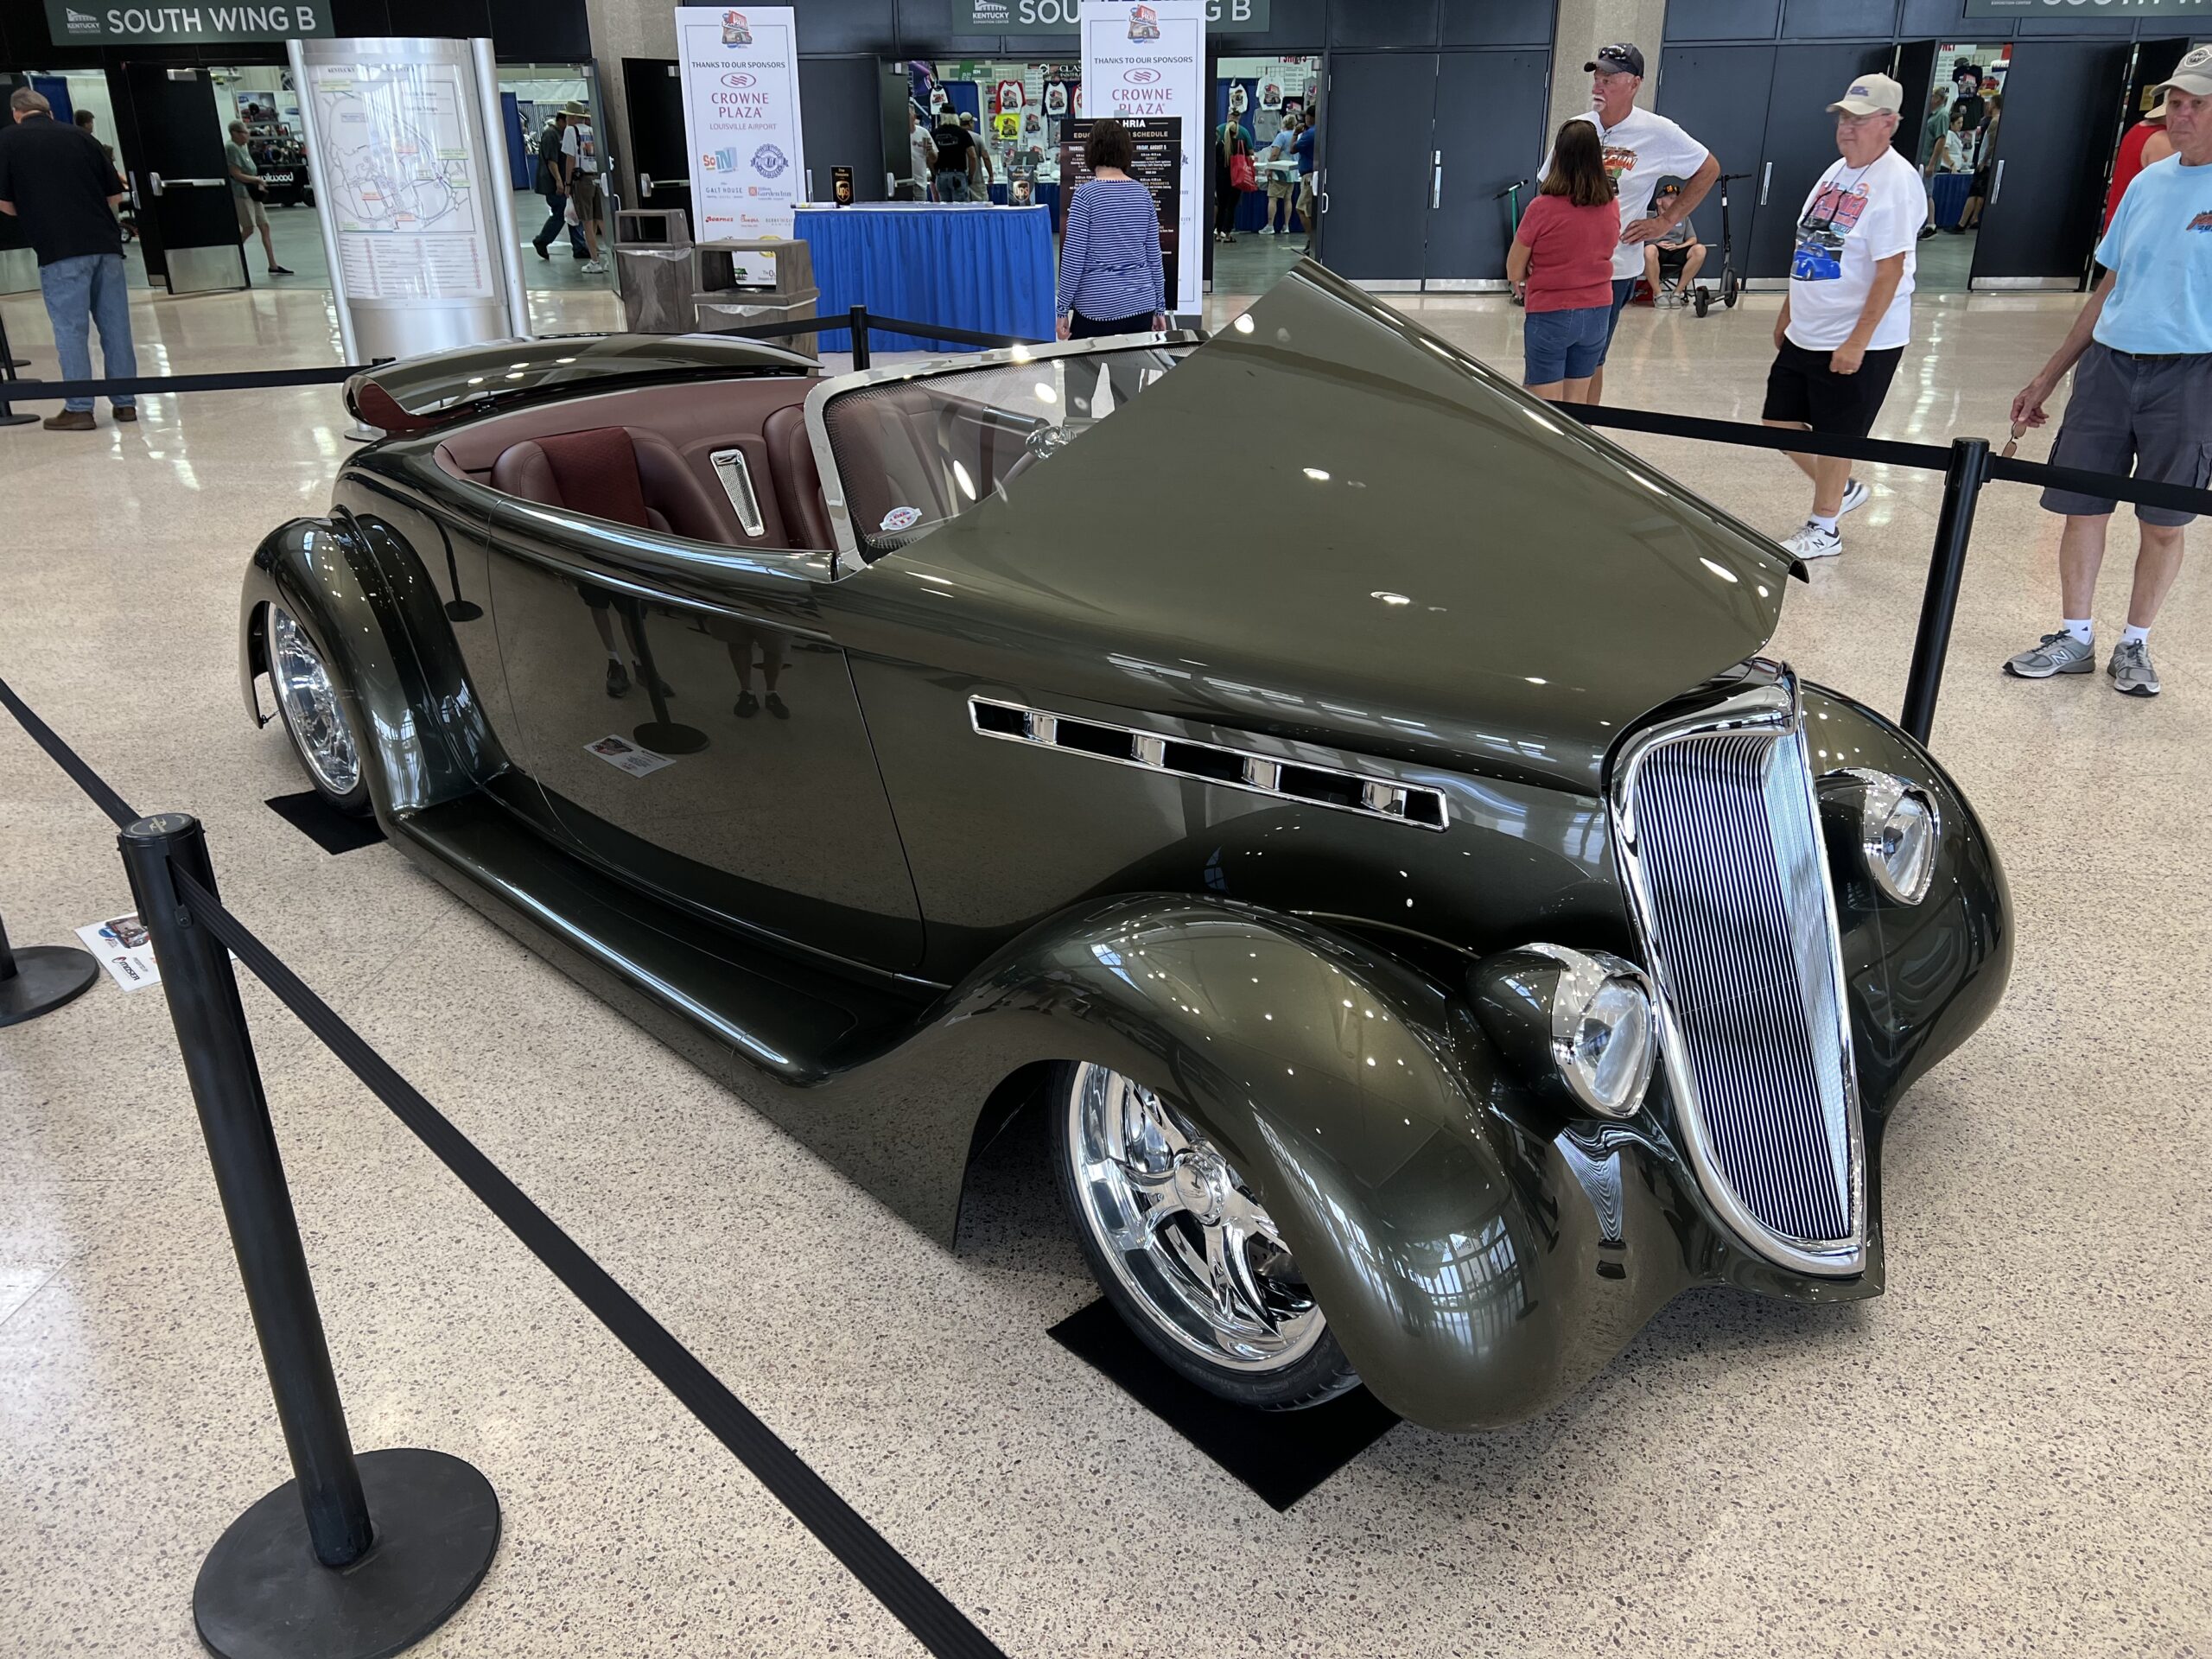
x=674, y=431
x=593, y=472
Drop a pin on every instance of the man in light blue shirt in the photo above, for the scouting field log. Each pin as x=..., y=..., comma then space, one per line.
x=2141, y=353
x=1278, y=171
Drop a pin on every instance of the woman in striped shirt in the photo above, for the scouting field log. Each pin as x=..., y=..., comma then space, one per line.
x=1111, y=280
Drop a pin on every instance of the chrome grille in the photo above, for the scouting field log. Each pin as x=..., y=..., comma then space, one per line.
x=1720, y=840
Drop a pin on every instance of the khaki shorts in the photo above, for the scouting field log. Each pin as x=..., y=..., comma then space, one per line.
x=584, y=192
x=1280, y=189
x=252, y=215
x=1306, y=198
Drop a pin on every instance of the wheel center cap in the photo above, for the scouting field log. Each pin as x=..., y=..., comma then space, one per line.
x=1199, y=1181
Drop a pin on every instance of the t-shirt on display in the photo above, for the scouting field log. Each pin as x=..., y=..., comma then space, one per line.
x=1570, y=253
x=581, y=146
x=2159, y=249
x=1640, y=150
x=1854, y=218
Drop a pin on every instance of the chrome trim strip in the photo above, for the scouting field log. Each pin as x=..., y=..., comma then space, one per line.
x=1773, y=711
x=737, y=484
x=849, y=560
x=1259, y=774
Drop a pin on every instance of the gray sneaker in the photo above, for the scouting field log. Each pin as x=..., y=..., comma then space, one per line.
x=2059, y=653
x=2131, y=670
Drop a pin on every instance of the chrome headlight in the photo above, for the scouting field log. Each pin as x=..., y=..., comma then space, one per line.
x=1578, y=1023
x=1898, y=830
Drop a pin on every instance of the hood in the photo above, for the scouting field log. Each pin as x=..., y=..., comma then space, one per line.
x=413, y=394
x=1330, y=524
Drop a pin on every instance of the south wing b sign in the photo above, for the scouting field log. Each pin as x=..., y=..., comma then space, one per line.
x=1057, y=17
x=87, y=23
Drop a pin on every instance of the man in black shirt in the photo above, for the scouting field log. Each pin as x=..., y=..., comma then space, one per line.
x=60, y=183
x=954, y=144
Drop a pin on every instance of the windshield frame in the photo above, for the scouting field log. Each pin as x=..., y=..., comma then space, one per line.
x=851, y=557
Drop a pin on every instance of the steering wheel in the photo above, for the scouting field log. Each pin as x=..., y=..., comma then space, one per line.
x=1039, y=445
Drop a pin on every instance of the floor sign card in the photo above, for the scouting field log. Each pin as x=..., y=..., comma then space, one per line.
x=1148, y=63
x=740, y=117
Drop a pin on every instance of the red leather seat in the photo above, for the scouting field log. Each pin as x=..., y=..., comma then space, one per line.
x=618, y=473
x=799, y=481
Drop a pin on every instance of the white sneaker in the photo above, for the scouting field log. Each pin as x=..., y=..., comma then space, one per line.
x=1855, y=495
x=1267, y=230
x=592, y=267
x=1811, y=542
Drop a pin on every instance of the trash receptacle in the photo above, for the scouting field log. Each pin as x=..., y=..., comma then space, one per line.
x=722, y=304
x=657, y=283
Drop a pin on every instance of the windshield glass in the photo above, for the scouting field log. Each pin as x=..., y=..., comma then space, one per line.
x=912, y=454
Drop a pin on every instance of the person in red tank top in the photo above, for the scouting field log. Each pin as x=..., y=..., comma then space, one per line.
x=1561, y=264
x=2141, y=145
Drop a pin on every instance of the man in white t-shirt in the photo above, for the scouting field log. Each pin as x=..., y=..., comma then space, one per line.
x=1640, y=147
x=1848, y=314
x=580, y=156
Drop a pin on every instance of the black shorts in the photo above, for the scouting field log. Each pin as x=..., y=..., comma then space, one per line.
x=1800, y=387
x=1674, y=258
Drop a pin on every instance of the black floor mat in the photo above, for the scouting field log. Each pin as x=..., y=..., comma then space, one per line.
x=324, y=824
x=1281, y=1455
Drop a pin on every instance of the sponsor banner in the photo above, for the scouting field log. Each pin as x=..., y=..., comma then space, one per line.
x=1156, y=163
x=1144, y=63
x=2087, y=8
x=739, y=71
x=1065, y=16
x=85, y=23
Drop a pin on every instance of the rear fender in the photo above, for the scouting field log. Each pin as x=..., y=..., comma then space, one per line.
x=364, y=601
x=1475, y=1261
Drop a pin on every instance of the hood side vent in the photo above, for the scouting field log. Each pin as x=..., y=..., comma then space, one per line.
x=1212, y=763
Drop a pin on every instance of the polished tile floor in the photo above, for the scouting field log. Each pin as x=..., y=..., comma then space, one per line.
x=2009, y=1452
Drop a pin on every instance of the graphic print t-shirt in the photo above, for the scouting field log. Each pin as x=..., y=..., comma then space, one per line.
x=1639, y=152
x=578, y=143
x=1854, y=218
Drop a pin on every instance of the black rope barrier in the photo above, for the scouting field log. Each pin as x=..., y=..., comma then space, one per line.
x=1928, y=457
x=2137, y=491
x=32, y=391
x=166, y=856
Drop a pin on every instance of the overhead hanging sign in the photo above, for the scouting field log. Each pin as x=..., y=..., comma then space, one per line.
x=1147, y=63
x=1065, y=16
x=740, y=117
x=85, y=23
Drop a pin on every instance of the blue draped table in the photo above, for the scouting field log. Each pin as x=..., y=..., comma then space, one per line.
x=988, y=269
x=1950, y=197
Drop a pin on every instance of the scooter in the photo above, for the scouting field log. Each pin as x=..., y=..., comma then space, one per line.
x=1511, y=196
x=1731, y=285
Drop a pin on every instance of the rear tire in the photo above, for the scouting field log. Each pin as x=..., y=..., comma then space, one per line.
x=314, y=720
x=1184, y=1251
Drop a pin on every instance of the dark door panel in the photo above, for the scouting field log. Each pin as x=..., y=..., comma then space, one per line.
x=1376, y=164
x=841, y=104
x=777, y=821
x=654, y=99
x=182, y=180
x=1467, y=228
x=2061, y=119
x=1799, y=141
x=1719, y=94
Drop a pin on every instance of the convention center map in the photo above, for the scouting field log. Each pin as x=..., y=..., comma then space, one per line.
x=398, y=169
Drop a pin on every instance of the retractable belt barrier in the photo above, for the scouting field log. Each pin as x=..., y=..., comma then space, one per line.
x=400, y=1538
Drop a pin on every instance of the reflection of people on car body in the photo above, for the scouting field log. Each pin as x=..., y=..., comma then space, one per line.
x=600, y=604
x=771, y=668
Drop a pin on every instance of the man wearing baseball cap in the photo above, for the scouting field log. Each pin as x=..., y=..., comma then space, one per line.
x=2141, y=353
x=1640, y=147
x=1848, y=312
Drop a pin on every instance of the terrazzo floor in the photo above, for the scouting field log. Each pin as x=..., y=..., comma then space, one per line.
x=2007, y=1454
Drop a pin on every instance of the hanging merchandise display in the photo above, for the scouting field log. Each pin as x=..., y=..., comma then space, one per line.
x=741, y=116
x=1147, y=63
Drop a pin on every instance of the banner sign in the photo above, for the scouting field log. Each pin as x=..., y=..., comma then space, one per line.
x=1148, y=63
x=740, y=117
x=1065, y=16
x=2087, y=8
x=87, y=22
x=1157, y=164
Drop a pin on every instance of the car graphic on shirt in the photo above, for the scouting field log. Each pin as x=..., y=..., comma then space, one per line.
x=1833, y=214
x=2202, y=222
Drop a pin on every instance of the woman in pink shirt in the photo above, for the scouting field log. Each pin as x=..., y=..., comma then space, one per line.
x=1561, y=264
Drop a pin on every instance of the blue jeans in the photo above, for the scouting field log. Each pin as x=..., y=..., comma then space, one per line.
x=556, y=203
x=1563, y=345
x=1622, y=287
x=81, y=291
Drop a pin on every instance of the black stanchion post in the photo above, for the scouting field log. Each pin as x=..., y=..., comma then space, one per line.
x=9, y=415
x=399, y=1539
x=39, y=978
x=1962, y=480
x=857, y=320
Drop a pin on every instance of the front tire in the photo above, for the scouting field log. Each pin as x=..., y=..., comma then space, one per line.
x=314, y=720
x=1184, y=1252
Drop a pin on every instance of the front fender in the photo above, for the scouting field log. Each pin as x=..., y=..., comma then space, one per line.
x=1478, y=1257
x=360, y=593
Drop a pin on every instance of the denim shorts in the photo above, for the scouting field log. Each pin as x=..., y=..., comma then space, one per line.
x=1564, y=345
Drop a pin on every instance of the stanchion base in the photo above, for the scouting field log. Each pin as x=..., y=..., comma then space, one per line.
x=15, y=418
x=670, y=737
x=263, y=1595
x=46, y=976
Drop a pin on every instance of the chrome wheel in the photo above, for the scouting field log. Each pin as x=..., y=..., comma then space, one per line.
x=309, y=704
x=1182, y=1233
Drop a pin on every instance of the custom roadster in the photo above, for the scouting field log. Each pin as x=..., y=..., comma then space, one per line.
x=1344, y=794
